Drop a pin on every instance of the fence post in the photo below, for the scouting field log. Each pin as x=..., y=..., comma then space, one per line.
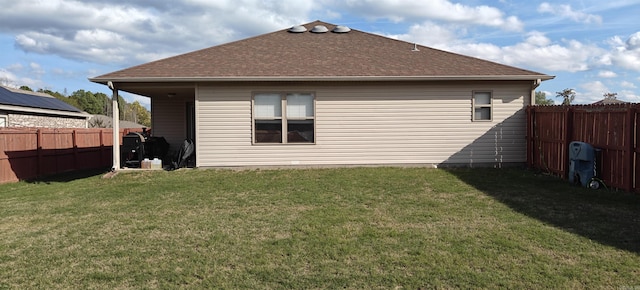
x=636, y=144
x=528, y=136
x=568, y=122
x=74, y=139
x=101, y=147
x=39, y=152
x=630, y=174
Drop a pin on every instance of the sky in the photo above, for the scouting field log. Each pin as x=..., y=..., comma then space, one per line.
x=591, y=46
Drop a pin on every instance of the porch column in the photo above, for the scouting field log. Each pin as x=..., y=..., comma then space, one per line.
x=115, y=124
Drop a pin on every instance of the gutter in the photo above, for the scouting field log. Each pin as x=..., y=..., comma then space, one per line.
x=104, y=81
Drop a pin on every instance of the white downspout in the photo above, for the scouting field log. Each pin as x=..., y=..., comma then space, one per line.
x=535, y=85
x=115, y=121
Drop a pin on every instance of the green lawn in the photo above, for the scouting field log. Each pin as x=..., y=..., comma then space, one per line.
x=356, y=228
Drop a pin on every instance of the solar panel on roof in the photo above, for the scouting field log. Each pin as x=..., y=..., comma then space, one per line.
x=8, y=97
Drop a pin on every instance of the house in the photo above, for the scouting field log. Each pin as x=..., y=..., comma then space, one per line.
x=20, y=108
x=102, y=121
x=609, y=101
x=321, y=94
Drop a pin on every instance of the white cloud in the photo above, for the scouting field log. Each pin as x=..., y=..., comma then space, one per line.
x=633, y=43
x=430, y=34
x=628, y=85
x=124, y=32
x=629, y=96
x=10, y=79
x=441, y=10
x=129, y=32
x=536, y=51
x=18, y=74
x=624, y=54
x=36, y=70
x=595, y=86
x=7, y=78
x=75, y=48
x=607, y=74
x=16, y=67
x=593, y=92
x=565, y=11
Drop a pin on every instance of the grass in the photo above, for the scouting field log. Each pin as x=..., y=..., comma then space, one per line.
x=351, y=228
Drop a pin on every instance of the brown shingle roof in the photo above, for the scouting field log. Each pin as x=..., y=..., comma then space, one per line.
x=308, y=55
x=607, y=101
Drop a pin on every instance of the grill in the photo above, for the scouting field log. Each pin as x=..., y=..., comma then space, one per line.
x=132, y=151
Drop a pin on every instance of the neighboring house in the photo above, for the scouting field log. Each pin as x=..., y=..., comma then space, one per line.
x=325, y=95
x=20, y=108
x=102, y=121
x=609, y=101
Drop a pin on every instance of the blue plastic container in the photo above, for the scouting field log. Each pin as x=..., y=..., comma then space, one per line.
x=582, y=162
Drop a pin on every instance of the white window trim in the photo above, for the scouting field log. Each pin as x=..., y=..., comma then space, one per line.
x=284, y=119
x=475, y=106
x=4, y=118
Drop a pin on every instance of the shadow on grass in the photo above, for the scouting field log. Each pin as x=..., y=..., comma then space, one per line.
x=69, y=176
x=607, y=217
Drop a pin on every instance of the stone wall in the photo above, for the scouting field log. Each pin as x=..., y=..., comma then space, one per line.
x=19, y=120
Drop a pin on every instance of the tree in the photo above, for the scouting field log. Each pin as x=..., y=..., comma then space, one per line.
x=105, y=103
x=541, y=99
x=142, y=115
x=87, y=102
x=98, y=123
x=122, y=107
x=26, y=88
x=567, y=95
x=61, y=97
x=610, y=96
x=100, y=104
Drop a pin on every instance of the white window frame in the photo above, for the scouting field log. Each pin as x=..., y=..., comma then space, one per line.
x=283, y=117
x=477, y=105
x=4, y=121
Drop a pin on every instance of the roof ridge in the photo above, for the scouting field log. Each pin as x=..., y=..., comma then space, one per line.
x=25, y=92
x=308, y=54
x=418, y=46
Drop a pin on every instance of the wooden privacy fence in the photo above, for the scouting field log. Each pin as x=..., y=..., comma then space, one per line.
x=28, y=153
x=613, y=129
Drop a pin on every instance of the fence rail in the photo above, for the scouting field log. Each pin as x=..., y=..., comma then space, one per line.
x=28, y=153
x=613, y=129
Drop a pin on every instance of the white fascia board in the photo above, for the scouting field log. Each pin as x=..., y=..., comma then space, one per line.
x=327, y=78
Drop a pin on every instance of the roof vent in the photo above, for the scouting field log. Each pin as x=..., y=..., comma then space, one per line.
x=341, y=29
x=297, y=29
x=319, y=29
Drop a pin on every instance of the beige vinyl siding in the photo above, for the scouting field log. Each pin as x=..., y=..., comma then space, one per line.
x=369, y=123
x=172, y=123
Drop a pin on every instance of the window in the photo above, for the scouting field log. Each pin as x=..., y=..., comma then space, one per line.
x=3, y=121
x=275, y=113
x=482, y=106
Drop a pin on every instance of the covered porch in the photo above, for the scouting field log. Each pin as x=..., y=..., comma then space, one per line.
x=172, y=113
